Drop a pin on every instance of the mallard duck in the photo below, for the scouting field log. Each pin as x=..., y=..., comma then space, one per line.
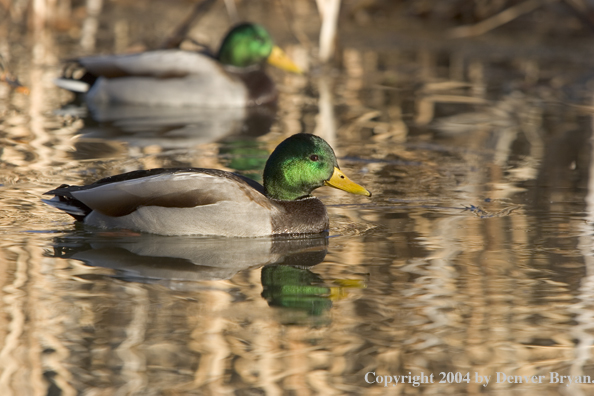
x=188, y=201
x=235, y=77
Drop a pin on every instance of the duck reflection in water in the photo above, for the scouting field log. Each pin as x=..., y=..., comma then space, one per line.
x=156, y=258
x=180, y=262
x=171, y=127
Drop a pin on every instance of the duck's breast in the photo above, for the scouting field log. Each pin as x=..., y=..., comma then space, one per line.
x=303, y=216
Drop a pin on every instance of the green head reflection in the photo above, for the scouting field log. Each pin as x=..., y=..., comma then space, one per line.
x=302, y=290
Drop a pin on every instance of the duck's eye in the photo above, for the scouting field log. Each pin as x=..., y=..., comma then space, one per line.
x=313, y=157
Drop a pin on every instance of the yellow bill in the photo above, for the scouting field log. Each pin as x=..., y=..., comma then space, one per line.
x=340, y=181
x=354, y=283
x=340, y=292
x=279, y=58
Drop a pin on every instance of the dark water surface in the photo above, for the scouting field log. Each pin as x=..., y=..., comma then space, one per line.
x=473, y=258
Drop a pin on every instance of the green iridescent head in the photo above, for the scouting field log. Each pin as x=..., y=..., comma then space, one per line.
x=302, y=163
x=249, y=44
x=245, y=45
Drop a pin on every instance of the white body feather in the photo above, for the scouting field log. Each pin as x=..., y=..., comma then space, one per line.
x=236, y=212
x=165, y=77
x=192, y=90
x=223, y=218
x=72, y=85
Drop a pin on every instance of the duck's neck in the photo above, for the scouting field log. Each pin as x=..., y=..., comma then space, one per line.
x=260, y=87
x=278, y=187
x=282, y=194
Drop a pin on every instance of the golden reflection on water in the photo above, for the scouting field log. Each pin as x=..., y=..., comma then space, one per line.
x=474, y=254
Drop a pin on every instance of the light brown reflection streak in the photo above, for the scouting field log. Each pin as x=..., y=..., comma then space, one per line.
x=583, y=308
x=531, y=122
x=265, y=344
x=206, y=157
x=91, y=25
x=374, y=98
x=34, y=258
x=121, y=36
x=319, y=381
x=476, y=76
x=290, y=102
x=398, y=129
x=75, y=303
x=442, y=281
x=70, y=307
x=267, y=363
x=298, y=359
x=351, y=253
x=4, y=299
x=40, y=15
x=474, y=281
x=38, y=332
x=509, y=277
x=442, y=275
x=425, y=107
x=133, y=358
x=354, y=70
x=338, y=358
x=386, y=345
x=325, y=122
x=500, y=295
x=209, y=341
x=38, y=100
x=14, y=304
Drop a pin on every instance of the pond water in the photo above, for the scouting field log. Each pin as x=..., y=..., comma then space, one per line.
x=471, y=261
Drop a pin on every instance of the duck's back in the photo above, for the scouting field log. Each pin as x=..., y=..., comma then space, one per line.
x=158, y=64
